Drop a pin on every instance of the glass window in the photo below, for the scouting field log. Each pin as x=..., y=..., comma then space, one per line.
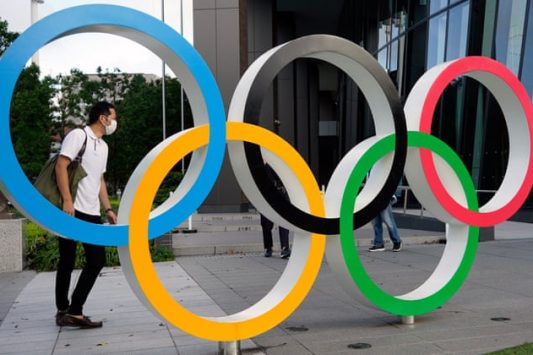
x=382, y=41
x=393, y=59
x=436, y=5
x=527, y=68
x=510, y=32
x=457, y=32
x=390, y=29
x=382, y=57
x=436, y=40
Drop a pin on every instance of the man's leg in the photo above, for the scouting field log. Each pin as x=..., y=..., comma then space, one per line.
x=284, y=242
x=95, y=261
x=283, y=237
x=377, y=243
x=67, y=257
x=266, y=227
x=377, y=224
x=388, y=219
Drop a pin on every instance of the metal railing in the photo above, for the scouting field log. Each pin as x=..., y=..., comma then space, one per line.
x=405, y=193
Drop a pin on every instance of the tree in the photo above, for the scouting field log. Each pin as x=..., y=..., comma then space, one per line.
x=31, y=120
x=30, y=114
x=6, y=37
x=140, y=120
x=71, y=97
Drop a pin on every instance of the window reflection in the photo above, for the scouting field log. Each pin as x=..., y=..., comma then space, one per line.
x=389, y=30
x=436, y=41
x=457, y=32
x=510, y=32
x=527, y=70
x=436, y=5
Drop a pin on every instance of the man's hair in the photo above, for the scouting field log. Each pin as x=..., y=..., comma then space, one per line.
x=100, y=108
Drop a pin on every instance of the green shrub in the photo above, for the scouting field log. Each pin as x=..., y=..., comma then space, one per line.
x=160, y=253
x=169, y=184
x=42, y=252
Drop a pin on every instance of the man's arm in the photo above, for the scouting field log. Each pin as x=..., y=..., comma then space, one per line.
x=63, y=185
x=104, y=199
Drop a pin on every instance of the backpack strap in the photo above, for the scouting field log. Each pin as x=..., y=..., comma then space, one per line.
x=82, y=150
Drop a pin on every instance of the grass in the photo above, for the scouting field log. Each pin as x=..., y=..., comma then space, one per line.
x=524, y=349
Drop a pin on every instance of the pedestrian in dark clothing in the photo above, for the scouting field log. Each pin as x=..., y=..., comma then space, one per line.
x=267, y=225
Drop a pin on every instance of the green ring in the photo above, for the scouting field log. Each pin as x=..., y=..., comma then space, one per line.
x=366, y=285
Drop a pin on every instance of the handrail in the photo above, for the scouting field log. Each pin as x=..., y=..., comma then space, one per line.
x=406, y=189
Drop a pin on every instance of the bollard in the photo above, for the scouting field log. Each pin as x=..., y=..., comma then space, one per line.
x=229, y=347
x=190, y=229
x=408, y=320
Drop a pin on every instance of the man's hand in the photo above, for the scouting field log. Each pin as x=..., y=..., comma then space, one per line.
x=111, y=217
x=68, y=208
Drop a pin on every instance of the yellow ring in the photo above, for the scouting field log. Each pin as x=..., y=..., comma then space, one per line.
x=218, y=329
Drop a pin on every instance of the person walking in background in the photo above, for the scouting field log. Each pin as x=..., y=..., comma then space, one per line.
x=267, y=225
x=386, y=217
x=91, y=193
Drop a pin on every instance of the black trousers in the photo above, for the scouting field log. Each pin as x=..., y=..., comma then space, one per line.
x=267, y=226
x=95, y=261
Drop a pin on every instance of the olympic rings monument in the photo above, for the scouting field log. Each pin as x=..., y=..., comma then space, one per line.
x=322, y=224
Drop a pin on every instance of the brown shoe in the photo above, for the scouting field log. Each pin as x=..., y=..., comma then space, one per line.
x=69, y=320
x=59, y=315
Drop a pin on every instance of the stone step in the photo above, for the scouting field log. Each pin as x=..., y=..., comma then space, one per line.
x=220, y=217
x=222, y=222
x=244, y=242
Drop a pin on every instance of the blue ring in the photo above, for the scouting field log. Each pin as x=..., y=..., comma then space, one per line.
x=13, y=181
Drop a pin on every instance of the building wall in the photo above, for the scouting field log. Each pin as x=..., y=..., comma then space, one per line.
x=217, y=38
x=406, y=36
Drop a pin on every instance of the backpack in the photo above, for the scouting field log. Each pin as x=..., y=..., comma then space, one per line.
x=46, y=182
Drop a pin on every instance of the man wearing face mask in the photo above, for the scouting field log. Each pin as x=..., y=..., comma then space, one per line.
x=90, y=197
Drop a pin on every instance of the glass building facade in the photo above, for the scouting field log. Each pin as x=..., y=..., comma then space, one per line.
x=311, y=99
x=417, y=35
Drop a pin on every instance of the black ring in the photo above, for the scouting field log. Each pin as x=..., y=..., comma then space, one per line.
x=314, y=46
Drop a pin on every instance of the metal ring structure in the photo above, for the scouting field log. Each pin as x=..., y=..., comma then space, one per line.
x=297, y=278
x=518, y=113
x=185, y=62
x=383, y=100
x=455, y=263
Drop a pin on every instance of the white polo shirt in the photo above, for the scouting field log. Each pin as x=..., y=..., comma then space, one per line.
x=94, y=161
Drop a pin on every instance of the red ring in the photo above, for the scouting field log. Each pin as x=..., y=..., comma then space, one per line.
x=452, y=71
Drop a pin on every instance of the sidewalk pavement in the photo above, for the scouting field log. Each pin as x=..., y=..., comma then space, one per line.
x=500, y=286
x=251, y=240
x=11, y=284
x=29, y=327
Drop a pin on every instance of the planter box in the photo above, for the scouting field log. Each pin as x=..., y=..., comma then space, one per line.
x=12, y=245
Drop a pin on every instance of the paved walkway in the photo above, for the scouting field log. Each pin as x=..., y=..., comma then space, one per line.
x=30, y=328
x=11, y=284
x=500, y=286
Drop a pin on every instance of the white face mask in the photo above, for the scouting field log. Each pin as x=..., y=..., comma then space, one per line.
x=109, y=130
